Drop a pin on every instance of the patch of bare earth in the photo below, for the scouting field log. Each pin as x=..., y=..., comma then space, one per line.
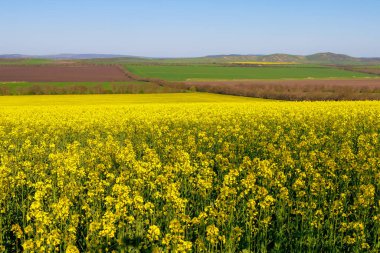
x=63, y=73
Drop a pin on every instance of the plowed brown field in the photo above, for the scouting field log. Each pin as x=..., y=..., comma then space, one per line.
x=62, y=73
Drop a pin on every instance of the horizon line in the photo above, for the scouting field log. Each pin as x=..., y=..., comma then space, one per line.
x=175, y=57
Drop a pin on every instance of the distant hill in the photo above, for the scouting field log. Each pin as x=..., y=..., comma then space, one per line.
x=232, y=55
x=255, y=58
x=331, y=58
x=82, y=56
x=13, y=56
x=281, y=58
x=319, y=58
x=63, y=56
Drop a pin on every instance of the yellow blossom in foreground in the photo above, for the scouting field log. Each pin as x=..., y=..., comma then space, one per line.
x=188, y=173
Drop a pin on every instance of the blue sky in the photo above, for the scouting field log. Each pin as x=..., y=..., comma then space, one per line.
x=175, y=28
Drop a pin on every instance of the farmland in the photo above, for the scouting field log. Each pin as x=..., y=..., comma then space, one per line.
x=274, y=80
x=188, y=173
x=189, y=126
x=27, y=61
x=258, y=63
x=62, y=73
x=207, y=72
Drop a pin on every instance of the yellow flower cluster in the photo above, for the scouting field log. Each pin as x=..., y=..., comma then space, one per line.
x=190, y=177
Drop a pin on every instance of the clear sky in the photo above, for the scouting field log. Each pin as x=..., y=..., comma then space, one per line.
x=174, y=28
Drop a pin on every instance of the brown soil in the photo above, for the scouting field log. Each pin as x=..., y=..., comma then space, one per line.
x=62, y=73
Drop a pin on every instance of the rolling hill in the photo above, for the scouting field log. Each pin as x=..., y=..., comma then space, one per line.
x=318, y=58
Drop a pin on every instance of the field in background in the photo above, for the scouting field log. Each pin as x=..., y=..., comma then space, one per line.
x=62, y=73
x=188, y=172
x=72, y=79
x=275, y=80
x=206, y=72
x=27, y=61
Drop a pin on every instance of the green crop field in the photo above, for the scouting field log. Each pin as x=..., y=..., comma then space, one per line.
x=27, y=61
x=197, y=72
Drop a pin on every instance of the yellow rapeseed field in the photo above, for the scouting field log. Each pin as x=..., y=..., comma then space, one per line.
x=188, y=173
x=264, y=63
